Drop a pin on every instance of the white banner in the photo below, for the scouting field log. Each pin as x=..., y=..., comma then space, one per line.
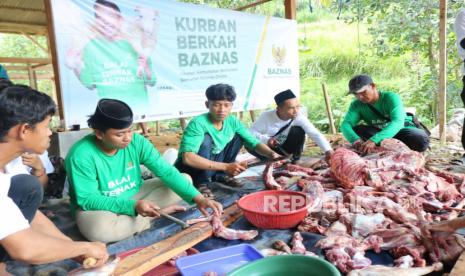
x=160, y=56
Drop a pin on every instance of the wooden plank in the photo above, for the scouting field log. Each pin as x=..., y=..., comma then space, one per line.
x=54, y=55
x=160, y=252
x=442, y=70
x=25, y=60
x=459, y=267
x=20, y=27
x=328, y=109
x=25, y=76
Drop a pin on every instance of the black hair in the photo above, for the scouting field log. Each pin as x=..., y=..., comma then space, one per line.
x=95, y=124
x=21, y=104
x=220, y=92
x=4, y=83
x=106, y=3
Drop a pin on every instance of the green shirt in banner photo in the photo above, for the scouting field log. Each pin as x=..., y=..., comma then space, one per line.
x=389, y=104
x=102, y=182
x=112, y=68
x=199, y=126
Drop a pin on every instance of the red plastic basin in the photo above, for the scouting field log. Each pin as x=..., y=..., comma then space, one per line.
x=274, y=209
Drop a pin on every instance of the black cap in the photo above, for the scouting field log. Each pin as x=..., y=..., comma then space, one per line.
x=284, y=95
x=358, y=82
x=111, y=113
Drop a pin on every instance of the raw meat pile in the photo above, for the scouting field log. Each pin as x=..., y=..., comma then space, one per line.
x=379, y=202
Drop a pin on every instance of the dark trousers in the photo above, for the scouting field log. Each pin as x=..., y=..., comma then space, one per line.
x=416, y=139
x=462, y=95
x=228, y=155
x=26, y=192
x=294, y=144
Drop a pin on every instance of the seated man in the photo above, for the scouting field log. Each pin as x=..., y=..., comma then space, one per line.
x=26, y=234
x=29, y=163
x=211, y=142
x=110, y=200
x=384, y=114
x=284, y=128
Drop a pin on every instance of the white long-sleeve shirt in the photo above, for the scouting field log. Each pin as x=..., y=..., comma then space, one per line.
x=268, y=124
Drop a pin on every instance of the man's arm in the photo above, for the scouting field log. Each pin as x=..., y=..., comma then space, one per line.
x=259, y=129
x=314, y=134
x=350, y=120
x=34, y=247
x=83, y=180
x=266, y=151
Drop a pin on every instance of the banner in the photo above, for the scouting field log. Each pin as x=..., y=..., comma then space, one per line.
x=160, y=56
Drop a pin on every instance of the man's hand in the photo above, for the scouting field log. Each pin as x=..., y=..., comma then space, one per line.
x=367, y=147
x=147, y=208
x=275, y=155
x=357, y=144
x=204, y=203
x=272, y=142
x=96, y=251
x=235, y=168
x=33, y=161
x=328, y=156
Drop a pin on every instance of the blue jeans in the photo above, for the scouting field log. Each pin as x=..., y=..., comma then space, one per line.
x=26, y=192
x=228, y=155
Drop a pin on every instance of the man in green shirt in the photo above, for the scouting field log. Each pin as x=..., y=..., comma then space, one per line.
x=211, y=142
x=384, y=114
x=110, y=64
x=108, y=196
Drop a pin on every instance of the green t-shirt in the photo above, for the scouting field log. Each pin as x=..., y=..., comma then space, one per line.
x=389, y=104
x=195, y=132
x=102, y=182
x=111, y=67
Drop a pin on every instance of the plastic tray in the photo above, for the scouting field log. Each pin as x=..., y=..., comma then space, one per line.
x=221, y=261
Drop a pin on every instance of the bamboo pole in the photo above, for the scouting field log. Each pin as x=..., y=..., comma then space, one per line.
x=442, y=70
x=329, y=111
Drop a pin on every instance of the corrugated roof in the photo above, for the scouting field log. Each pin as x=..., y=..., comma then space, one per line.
x=23, y=16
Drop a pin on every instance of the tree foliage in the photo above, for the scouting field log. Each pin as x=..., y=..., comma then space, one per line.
x=400, y=27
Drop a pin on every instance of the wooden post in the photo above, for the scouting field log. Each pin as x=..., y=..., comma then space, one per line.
x=290, y=9
x=31, y=76
x=442, y=70
x=329, y=111
x=252, y=115
x=52, y=45
x=183, y=123
x=157, y=128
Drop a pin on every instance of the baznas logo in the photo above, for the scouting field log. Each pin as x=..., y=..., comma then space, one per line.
x=279, y=54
